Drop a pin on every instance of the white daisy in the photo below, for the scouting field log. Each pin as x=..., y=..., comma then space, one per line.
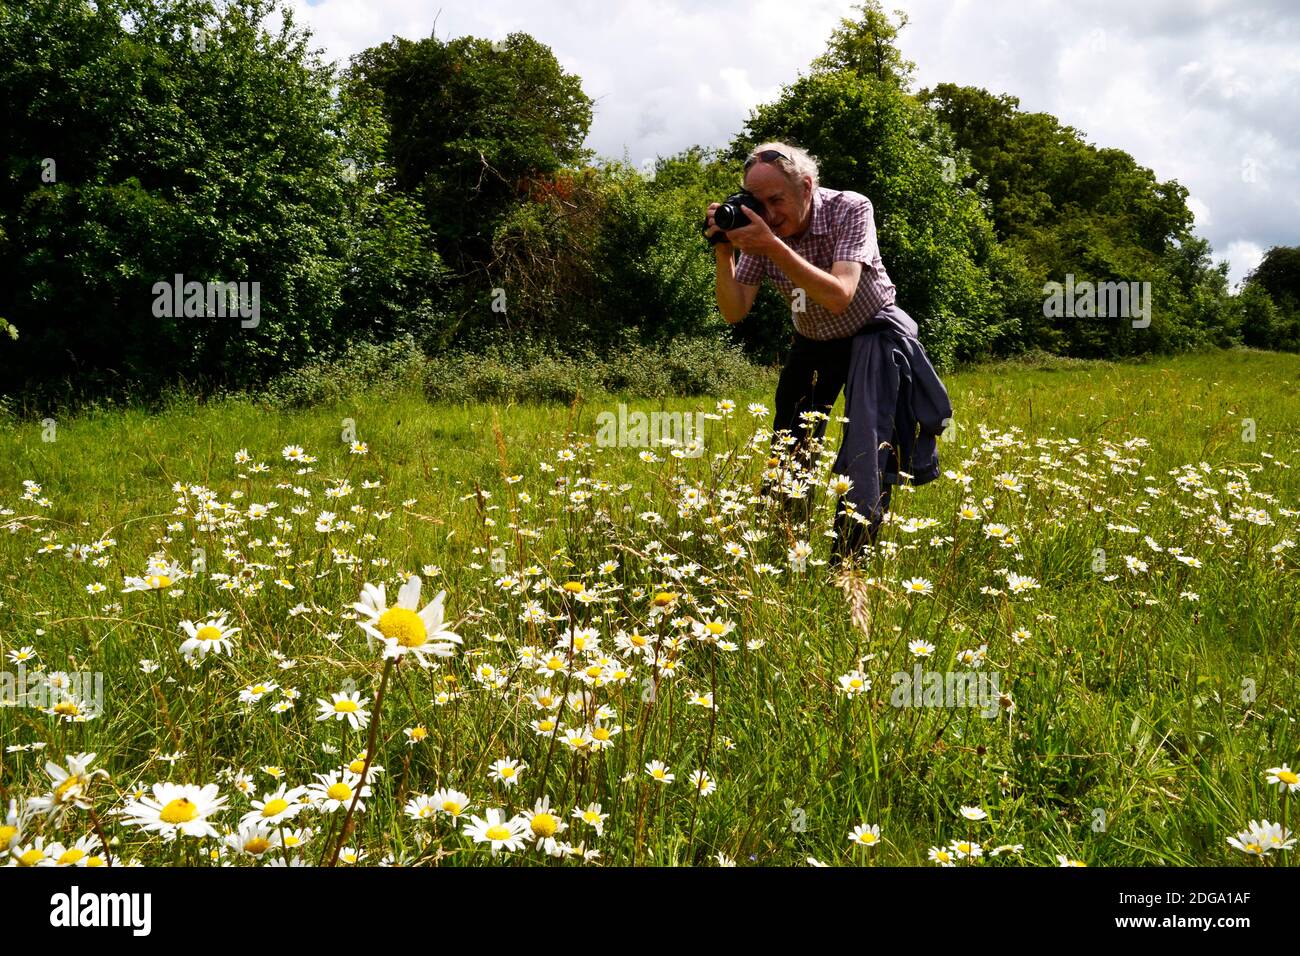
x=176, y=809
x=404, y=628
x=210, y=637
x=344, y=706
x=499, y=832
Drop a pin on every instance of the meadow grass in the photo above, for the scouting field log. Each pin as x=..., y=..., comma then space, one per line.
x=1111, y=555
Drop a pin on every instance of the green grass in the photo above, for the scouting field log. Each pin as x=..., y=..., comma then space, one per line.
x=1143, y=721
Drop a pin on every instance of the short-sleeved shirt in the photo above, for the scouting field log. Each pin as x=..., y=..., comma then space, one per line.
x=843, y=229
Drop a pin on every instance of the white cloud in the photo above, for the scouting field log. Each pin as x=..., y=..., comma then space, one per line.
x=1242, y=256
x=1200, y=211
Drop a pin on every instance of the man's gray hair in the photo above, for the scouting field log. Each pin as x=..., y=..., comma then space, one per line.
x=799, y=165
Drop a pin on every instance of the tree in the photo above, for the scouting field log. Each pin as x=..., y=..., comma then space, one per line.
x=866, y=46
x=1269, y=302
x=473, y=124
x=1278, y=274
x=153, y=138
x=1070, y=208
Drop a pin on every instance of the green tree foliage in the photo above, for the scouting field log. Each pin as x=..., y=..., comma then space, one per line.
x=593, y=256
x=1278, y=274
x=868, y=47
x=395, y=283
x=473, y=126
x=1070, y=208
x=151, y=138
x=1270, y=301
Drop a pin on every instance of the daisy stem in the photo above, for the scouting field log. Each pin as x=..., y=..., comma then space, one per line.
x=365, y=769
x=99, y=832
x=1286, y=792
x=871, y=733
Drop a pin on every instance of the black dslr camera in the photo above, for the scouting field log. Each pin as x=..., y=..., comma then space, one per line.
x=728, y=215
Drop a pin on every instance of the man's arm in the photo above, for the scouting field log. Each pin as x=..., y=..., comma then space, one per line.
x=735, y=298
x=833, y=290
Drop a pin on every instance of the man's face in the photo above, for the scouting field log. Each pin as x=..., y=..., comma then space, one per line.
x=787, y=207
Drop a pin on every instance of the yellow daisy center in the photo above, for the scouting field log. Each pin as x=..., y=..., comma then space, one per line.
x=855, y=682
x=600, y=733
x=67, y=708
x=158, y=581
x=61, y=791
x=451, y=806
x=544, y=824
x=498, y=831
x=715, y=627
x=404, y=626
x=345, y=706
x=95, y=861
x=179, y=811
x=71, y=856
x=31, y=858
x=507, y=771
x=357, y=766
x=274, y=807
x=419, y=733
x=208, y=633
x=257, y=846
x=664, y=598
x=546, y=725
x=574, y=587
x=7, y=834
x=1289, y=777
x=339, y=791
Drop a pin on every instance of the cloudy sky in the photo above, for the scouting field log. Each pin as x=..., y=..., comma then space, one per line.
x=1206, y=92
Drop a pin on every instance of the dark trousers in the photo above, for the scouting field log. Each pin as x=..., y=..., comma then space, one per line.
x=811, y=380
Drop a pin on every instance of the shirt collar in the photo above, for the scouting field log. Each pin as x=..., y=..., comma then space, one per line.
x=821, y=214
x=820, y=225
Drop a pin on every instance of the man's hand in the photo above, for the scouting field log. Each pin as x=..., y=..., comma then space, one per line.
x=715, y=229
x=756, y=239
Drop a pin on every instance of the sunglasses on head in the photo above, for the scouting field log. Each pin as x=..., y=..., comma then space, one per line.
x=766, y=156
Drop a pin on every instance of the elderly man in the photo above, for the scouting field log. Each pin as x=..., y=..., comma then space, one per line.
x=819, y=246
